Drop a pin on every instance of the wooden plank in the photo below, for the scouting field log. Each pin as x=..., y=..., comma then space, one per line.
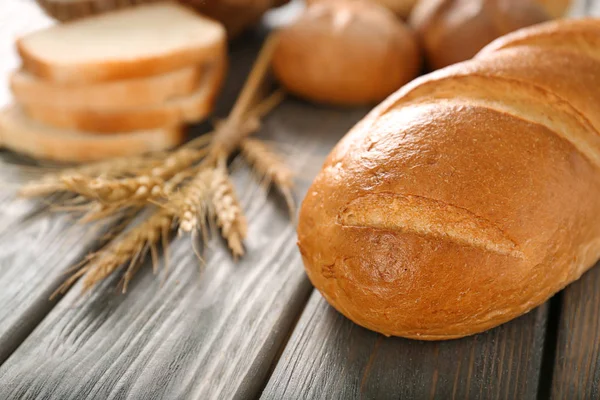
x=212, y=334
x=328, y=356
x=33, y=259
x=577, y=360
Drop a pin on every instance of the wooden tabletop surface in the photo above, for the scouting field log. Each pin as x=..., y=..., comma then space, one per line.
x=255, y=328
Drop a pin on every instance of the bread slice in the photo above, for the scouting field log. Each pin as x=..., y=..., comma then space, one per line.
x=192, y=108
x=145, y=40
x=21, y=134
x=127, y=93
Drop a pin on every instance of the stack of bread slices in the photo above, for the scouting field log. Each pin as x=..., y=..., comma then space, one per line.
x=118, y=84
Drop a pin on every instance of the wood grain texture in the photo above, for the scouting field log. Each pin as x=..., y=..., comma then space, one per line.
x=577, y=360
x=33, y=258
x=328, y=356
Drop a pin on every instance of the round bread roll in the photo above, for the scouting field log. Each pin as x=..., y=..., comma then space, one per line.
x=401, y=8
x=346, y=53
x=455, y=30
x=235, y=15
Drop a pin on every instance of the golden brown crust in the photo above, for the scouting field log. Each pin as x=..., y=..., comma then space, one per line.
x=326, y=55
x=576, y=35
x=464, y=200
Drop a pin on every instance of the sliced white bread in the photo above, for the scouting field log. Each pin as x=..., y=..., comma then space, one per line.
x=144, y=40
x=114, y=95
x=187, y=109
x=21, y=134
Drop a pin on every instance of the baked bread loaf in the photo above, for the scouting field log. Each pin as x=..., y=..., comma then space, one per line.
x=24, y=135
x=115, y=95
x=346, y=52
x=451, y=31
x=135, y=42
x=469, y=196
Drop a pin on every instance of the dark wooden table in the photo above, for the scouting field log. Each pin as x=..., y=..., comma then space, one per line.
x=255, y=328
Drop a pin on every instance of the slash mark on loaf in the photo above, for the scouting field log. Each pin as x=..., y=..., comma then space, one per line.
x=428, y=217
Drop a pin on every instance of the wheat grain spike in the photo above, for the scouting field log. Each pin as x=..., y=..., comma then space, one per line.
x=270, y=167
x=190, y=205
x=177, y=161
x=131, y=247
x=115, y=191
x=267, y=164
x=227, y=210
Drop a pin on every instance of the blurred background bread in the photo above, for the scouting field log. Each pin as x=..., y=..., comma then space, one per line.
x=346, y=52
x=235, y=15
x=401, y=8
x=451, y=31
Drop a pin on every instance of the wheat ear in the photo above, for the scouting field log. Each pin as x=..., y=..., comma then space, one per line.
x=129, y=247
x=176, y=162
x=190, y=205
x=53, y=183
x=227, y=209
x=270, y=168
x=116, y=191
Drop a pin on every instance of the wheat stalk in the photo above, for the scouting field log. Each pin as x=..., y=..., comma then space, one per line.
x=177, y=161
x=270, y=168
x=228, y=212
x=159, y=165
x=53, y=183
x=116, y=191
x=130, y=247
x=191, y=204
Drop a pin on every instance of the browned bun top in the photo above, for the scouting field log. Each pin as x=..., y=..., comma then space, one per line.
x=346, y=52
x=455, y=30
x=468, y=197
